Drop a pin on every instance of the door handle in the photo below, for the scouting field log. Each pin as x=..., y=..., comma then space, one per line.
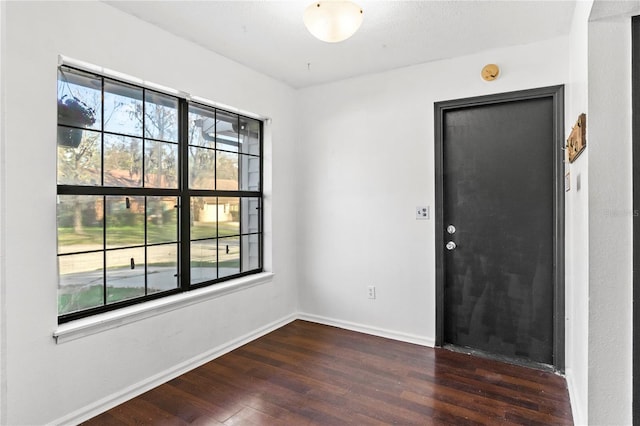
x=451, y=229
x=451, y=245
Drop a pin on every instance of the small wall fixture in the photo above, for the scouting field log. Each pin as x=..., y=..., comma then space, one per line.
x=333, y=20
x=490, y=72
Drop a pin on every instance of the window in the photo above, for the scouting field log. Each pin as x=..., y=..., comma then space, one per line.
x=156, y=194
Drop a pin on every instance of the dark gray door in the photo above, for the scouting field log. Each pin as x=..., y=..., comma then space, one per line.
x=498, y=226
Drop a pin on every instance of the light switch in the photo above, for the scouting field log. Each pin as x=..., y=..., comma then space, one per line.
x=422, y=212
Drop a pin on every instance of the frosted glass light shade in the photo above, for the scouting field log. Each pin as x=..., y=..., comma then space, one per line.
x=333, y=21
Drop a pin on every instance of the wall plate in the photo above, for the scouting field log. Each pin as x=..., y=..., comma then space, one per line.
x=422, y=212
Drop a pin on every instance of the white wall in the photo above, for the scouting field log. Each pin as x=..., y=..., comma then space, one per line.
x=365, y=161
x=576, y=224
x=47, y=382
x=610, y=214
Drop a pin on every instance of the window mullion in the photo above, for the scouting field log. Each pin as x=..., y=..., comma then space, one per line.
x=261, y=200
x=104, y=251
x=145, y=198
x=146, y=244
x=185, y=198
x=215, y=187
x=104, y=198
x=240, y=175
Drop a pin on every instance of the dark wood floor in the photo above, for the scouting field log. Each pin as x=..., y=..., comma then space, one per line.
x=311, y=374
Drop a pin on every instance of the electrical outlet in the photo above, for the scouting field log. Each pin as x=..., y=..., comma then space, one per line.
x=422, y=212
x=371, y=291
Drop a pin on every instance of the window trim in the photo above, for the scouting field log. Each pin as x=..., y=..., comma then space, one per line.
x=184, y=193
x=129, y=79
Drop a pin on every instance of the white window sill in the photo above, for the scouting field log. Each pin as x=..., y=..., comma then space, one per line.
x=101, y=322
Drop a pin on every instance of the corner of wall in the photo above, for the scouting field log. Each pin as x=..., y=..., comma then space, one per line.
x=577, y=222
x=610, y=218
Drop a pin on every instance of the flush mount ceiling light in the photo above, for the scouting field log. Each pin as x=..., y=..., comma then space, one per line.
x=333, y=20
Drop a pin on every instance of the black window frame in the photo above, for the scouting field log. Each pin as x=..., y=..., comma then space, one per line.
x=183, y=193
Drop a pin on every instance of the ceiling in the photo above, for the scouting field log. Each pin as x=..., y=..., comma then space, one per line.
x=269, y=36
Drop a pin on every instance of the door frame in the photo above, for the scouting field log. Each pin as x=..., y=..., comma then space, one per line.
x=440, y=108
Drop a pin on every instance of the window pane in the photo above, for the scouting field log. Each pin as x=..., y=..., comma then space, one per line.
x=203, y=261
x=203, y=217
x=226, y=171
x=162, y=268
x=201, y=168
x=124, y=221
x=202, y=127
x=160, y=165
x=249, y=136
x=161, y=117
x=228, y=256
x=250, y=252
x=250, y=215
x=125, y=274
x=79, y=157
x=162, y=220
x=228, y=216
x=227, y=137
x=249, y=173
x=122, y=108
x=79, y=97
x=123, y=139
x=80, y=283
x=79, y=220
x=122, y=161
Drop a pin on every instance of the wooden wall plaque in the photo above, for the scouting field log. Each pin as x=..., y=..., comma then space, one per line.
x=577, y=138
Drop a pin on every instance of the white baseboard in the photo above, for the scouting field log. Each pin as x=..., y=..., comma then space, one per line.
x=578, y=412
x=139, y=388
x=381, y=332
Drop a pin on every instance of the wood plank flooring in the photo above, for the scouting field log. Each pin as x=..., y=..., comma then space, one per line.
x=310, y=374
